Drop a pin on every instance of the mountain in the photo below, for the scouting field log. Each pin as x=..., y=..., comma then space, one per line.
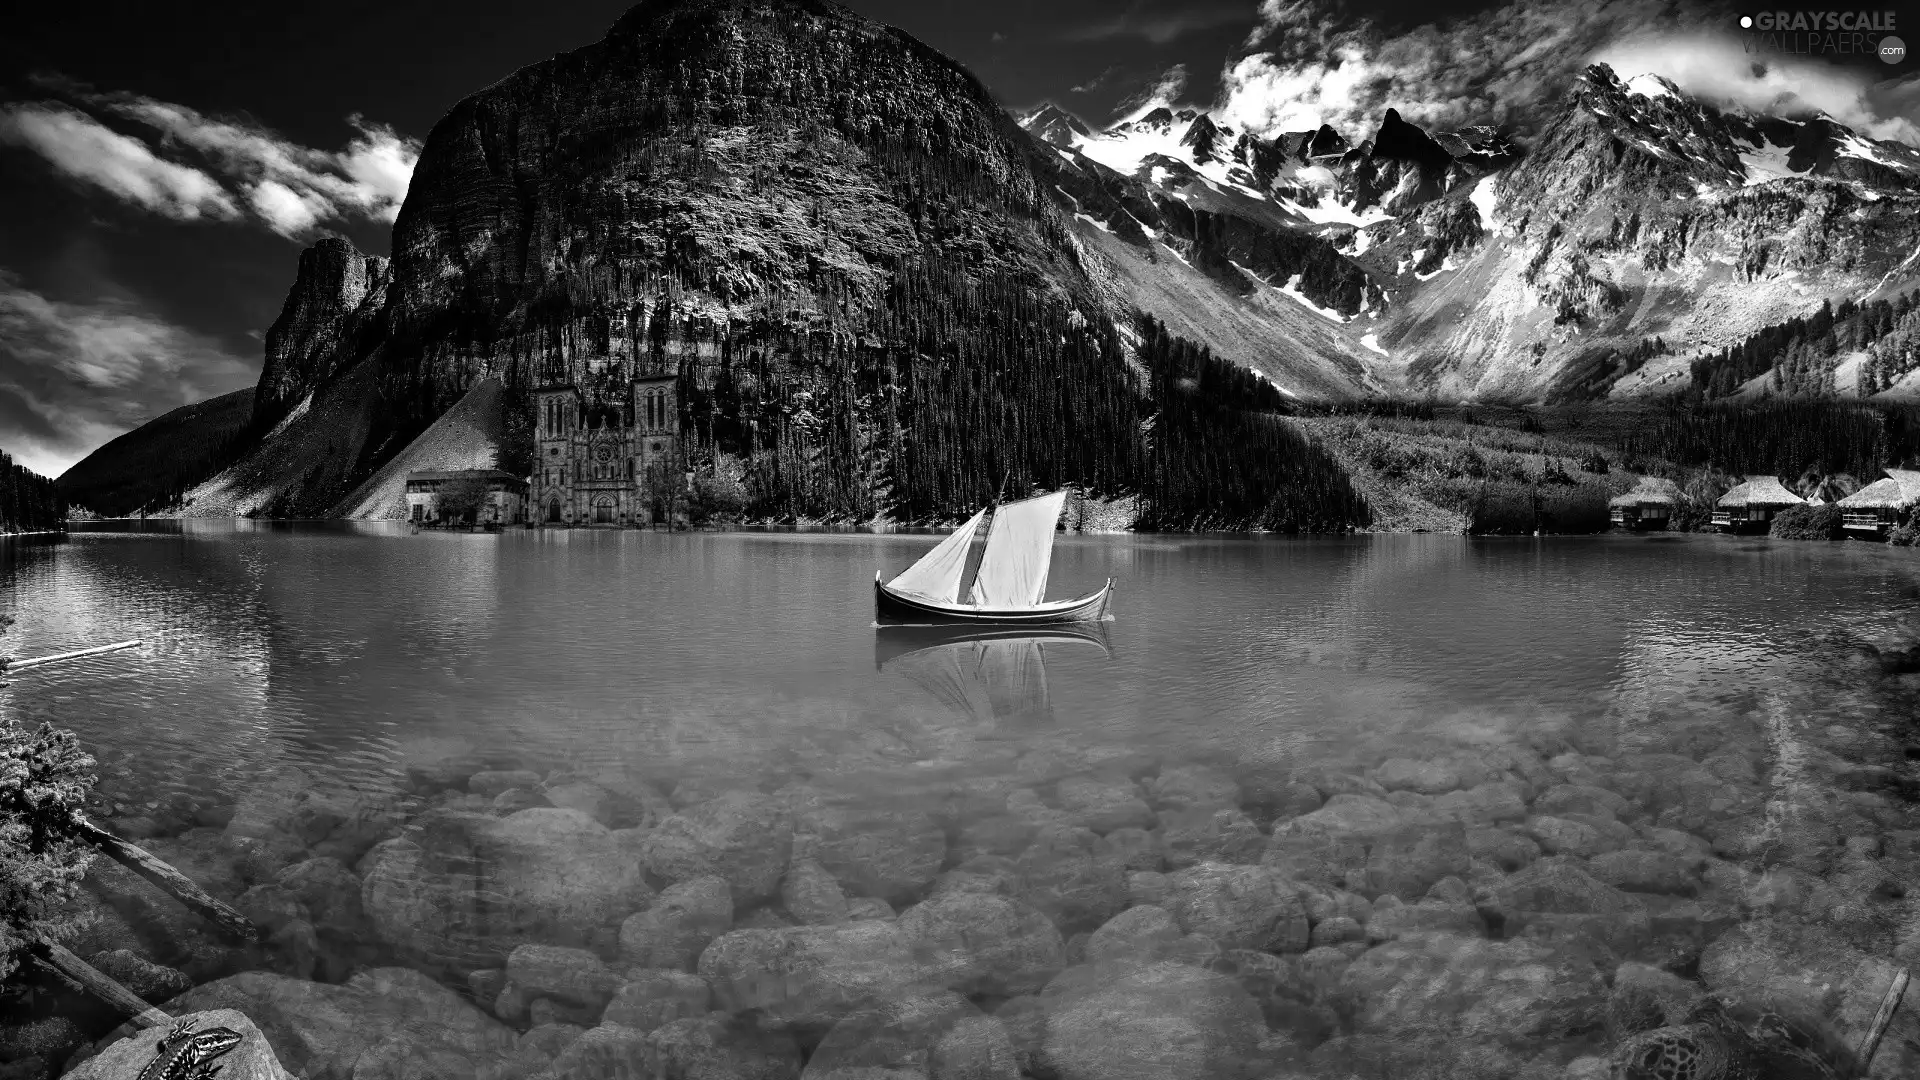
x=151, y=466
x=1488, y=269
x=882, y=295
x=833, y=236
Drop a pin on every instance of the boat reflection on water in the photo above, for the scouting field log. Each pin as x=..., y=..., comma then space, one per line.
x=983, y=672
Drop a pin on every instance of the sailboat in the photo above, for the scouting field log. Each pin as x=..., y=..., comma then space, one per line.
x=1010, y=585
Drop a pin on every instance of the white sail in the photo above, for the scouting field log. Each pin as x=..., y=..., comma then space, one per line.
x=1013, y=572
x=937, y=574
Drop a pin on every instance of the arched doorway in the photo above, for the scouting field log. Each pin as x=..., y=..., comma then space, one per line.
x=553, y=511
x=603, y=510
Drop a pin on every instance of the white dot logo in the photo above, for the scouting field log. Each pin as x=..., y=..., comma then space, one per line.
x=1746, y=22
x=1892, y=50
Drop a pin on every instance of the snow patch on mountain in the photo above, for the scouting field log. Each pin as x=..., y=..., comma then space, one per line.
x=1485, y=200
x=1765, y=164
x=1651, y=86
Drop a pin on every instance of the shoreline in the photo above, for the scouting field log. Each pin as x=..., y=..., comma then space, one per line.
x=927, y=529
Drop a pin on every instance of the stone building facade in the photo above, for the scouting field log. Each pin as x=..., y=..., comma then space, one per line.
x=502, y=502
x=606, y=458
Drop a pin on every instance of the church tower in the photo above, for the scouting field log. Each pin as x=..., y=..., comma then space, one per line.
x=557, y=416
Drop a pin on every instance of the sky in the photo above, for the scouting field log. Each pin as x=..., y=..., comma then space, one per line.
x=162, y=167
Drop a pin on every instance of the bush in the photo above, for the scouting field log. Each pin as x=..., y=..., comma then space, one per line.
x=44, y=779
x=1907, y=535
x=1690, y=516
x=1808, y=523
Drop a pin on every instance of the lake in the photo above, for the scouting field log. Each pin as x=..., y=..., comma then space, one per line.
x=1399, y=768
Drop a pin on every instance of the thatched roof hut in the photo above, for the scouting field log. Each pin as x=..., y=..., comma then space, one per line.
x=1898, y=490
x=1762, y=492
x=1651, y=491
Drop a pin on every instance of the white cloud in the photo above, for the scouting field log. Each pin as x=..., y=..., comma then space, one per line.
x=1512, y=64
x=1164, y=90
x=286, y=211
x=1716, y=69
x=83, y=149
x=75, y=375
x=293, y=186
x=290, y=188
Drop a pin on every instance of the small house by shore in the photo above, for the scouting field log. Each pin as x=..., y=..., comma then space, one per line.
x=498, y=497
x=1650, y=505
x=1751, y=506
x=1889, y=501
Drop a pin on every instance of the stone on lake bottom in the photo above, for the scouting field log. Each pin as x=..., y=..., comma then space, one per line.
x=1241, y=907
x=460, y=891
x=1158, y=1022
x=652, y=998
x=744, y=838
x=575, y=976
x=679, y=923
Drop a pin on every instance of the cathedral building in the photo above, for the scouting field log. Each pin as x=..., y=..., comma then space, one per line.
x=606, y=457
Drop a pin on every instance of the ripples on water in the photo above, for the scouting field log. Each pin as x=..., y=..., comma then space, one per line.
x=374, y=667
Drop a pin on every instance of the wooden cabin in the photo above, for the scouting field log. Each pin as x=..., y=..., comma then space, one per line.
x=1751, y=506
x=1878, y=507
x=1650, y=505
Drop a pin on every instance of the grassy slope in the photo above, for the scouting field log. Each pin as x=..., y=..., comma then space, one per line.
x=137, y=468
x=1483, y=469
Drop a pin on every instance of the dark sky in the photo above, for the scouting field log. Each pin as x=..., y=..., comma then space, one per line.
x=112, y=312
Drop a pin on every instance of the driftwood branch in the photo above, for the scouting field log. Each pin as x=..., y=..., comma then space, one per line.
x=172, y=881
x=99, y=984
x=1882, y=1018
x=9, y=666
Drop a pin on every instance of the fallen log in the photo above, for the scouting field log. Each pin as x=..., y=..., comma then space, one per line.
x=98, y=983
x=1881, y=1019
x=173, y=882
x=7, y=666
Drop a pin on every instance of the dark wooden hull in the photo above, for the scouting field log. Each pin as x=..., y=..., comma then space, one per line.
x=898, y=608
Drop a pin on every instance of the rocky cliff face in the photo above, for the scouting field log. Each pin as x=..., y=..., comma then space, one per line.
x=337, y=295
x=723, y=152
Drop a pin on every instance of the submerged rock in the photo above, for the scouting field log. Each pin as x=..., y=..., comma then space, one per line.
x=813, y=975
x=1470, y=990
x=679, y=923
x=984, y=942
x=1066, y=875
x=744, y=838
x=879, y=850
x=573, y=976
x=1407, y=860
x=1159, y=1022
x=463, y=890
x=933, y=1035
x=1240, y=907
x=1140, y=934
x=650, y=999
x=1104, y=805
x=699, y=1048
x=811, y=895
